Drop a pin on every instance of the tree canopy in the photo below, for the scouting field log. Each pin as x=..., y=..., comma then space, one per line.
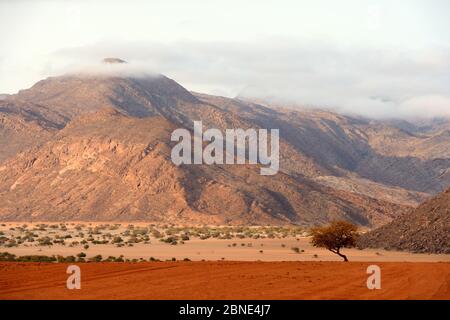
x=335, y=236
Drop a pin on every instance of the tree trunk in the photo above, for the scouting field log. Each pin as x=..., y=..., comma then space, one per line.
x=343, y=256
x=340, y=254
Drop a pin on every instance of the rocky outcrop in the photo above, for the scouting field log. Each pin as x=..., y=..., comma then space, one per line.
x=426, y=229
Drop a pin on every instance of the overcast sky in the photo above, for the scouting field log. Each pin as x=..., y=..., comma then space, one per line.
x=376, y=58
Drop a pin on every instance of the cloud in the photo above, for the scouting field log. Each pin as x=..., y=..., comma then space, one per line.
x=364, y=81
x=367, y=81
x=429, y=105
x=98, y=67
x=381, y=59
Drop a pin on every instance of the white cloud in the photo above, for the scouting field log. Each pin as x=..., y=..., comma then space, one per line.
x=426, y=106
x=366, y=81
x=379, y=59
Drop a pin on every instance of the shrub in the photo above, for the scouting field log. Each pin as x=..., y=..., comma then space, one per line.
x=70, y=259
x=97, y=258
x=111, y=259
x=117, y=240
x=142, y=232
x=36, y=258
x=295, y=249
x=6, y=256
x=45, y=241
x=66, y=259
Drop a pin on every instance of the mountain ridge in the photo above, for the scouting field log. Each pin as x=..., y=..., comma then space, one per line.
x=332, y=166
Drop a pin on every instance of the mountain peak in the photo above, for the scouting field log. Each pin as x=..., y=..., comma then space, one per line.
x=112, y=60
x=139, y=96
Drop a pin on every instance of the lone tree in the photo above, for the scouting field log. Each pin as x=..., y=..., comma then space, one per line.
x=334, y=237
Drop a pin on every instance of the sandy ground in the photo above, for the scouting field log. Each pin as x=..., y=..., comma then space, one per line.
x=226, y=280
x=213, y=249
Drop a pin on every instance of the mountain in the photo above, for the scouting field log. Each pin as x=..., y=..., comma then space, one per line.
x=342, y=145
x=97, y=147
x=425, y=229
x=109, y=166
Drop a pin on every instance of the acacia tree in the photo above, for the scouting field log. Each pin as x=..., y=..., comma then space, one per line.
x=335, y=236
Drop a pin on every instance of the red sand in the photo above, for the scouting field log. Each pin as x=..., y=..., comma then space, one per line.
x=226, y=280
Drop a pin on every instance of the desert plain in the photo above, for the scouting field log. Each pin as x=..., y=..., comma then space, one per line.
x=226, y=280
x=210, y=263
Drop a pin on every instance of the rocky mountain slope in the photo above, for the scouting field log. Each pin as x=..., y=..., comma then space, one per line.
x=341, y=145
x=426, y=229
x=97, y=147
x=109, y=166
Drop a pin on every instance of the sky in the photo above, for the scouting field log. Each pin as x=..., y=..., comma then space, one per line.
x=373, y=58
